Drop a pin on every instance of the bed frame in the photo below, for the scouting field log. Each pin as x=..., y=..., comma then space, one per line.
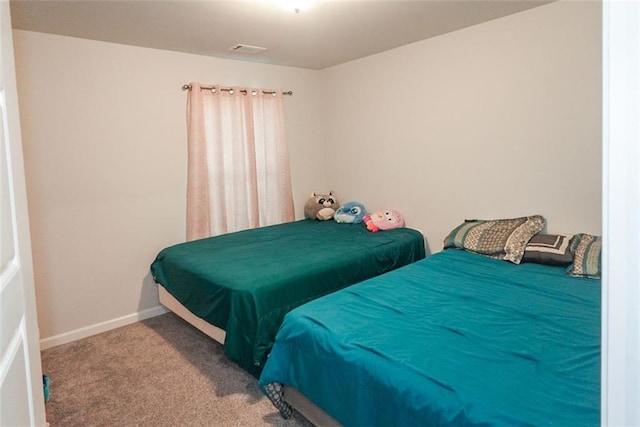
x=308, y=409
x=175, y=306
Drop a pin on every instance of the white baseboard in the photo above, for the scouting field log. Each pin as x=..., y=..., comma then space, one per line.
x=88, y=331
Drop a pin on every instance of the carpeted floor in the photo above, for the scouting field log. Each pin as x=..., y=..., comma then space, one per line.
x=158, y=372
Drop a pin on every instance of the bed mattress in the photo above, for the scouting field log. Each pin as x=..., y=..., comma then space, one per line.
x=245, y=282
x=457, y=339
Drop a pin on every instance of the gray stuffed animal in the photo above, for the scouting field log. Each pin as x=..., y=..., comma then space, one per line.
x=321, y=206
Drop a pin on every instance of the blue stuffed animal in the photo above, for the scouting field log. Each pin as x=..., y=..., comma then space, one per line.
x=350, y=213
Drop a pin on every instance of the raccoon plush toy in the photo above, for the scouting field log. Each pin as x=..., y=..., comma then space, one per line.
x=321, y=206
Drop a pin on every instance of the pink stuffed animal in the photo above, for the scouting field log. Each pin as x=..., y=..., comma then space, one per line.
x=386, y=220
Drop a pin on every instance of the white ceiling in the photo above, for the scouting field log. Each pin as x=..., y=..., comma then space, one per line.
x=330, y=32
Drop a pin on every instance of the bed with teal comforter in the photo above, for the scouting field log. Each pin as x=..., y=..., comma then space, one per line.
x=245, y=282
x=456, y=339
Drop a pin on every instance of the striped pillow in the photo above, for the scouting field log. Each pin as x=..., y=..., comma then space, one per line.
x=587, y=256
x=499, y=238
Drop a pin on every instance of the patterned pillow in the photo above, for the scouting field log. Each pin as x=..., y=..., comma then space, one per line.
x=500, y=238
x=549, y=249
x=587, y=256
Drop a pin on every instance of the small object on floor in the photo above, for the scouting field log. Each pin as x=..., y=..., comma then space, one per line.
x=46, y=382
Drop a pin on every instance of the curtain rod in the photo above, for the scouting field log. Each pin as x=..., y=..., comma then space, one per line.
x=227, y=89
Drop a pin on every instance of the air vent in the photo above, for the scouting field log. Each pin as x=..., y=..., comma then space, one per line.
x=245, y=48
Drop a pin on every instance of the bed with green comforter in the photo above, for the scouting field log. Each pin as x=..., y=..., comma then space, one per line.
x=245, y=282
x=457, y=339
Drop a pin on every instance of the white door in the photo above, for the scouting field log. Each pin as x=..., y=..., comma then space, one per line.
x=21, y=393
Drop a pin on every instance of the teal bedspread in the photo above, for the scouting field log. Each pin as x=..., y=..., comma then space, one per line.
x=456, y=339
x=245, y=282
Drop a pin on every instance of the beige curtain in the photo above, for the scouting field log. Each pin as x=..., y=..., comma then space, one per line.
x=238, y=163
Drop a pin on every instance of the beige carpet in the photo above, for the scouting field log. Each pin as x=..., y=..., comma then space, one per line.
x=158, y=372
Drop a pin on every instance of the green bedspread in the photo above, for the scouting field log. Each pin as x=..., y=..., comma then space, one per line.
x=457, y=339
x=245, y=282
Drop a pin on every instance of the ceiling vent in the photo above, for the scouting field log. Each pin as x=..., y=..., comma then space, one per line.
x=245, y=48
